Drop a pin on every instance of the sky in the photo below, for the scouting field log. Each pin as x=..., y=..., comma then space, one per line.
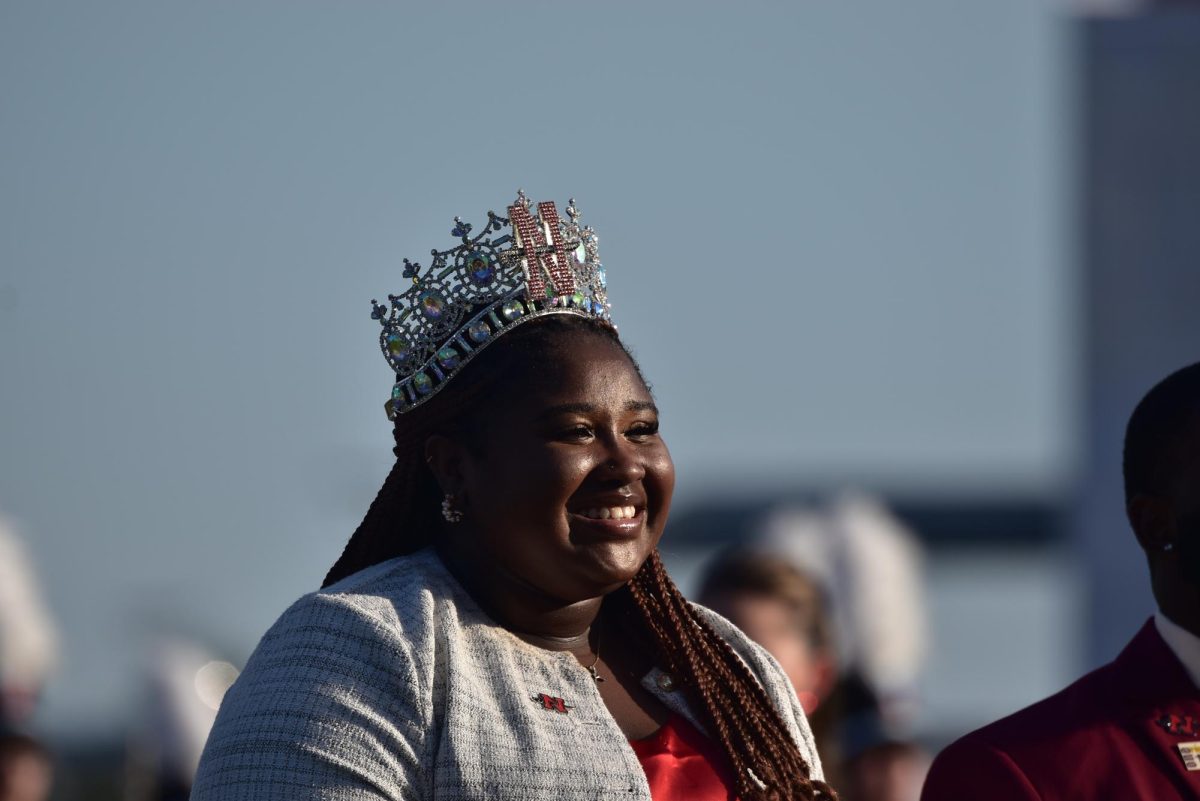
x=835, y=236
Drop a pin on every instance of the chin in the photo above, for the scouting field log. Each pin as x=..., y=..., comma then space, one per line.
x=613, y=569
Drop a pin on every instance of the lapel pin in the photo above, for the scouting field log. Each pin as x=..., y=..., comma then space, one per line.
x=1180, y=725
x=552, y=704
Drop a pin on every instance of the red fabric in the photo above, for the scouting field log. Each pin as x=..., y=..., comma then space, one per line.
x=682, y=764
x=1097, y=739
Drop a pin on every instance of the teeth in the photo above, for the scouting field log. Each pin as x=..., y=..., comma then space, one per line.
x=611, y=513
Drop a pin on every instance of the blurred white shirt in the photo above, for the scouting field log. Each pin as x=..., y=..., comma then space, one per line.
x=1184, y=644
x=28, y=638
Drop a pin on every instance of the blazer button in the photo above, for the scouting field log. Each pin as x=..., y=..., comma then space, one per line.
x=665, y=682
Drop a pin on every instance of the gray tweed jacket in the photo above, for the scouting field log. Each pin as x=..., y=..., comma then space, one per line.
x=393, y=684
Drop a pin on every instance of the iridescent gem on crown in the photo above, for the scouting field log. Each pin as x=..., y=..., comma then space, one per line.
x=517, y=268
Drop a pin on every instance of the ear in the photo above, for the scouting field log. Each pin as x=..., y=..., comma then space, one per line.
x=445, y=458
x=1153, y=522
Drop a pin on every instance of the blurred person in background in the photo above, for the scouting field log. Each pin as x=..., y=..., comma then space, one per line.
x=879, y=758
x=28, y=639
x=835, y=595
x=184, y=685
x=25, y=768
x=872, y=567
x=501, y=625
x=1130, y=729
x=783, y=609
x=28, y=654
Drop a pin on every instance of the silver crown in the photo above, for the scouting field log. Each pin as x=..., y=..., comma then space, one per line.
x=474, y=292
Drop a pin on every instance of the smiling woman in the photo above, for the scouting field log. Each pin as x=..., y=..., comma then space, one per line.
x=500, y=625
x=567, y=486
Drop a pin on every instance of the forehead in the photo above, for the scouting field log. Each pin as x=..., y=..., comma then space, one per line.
x=587, y=369
x=1183, y=452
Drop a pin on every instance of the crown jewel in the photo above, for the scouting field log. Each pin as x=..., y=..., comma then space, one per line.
x=487, y=285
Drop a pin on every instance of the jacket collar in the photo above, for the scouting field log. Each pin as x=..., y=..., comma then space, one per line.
x=1159, y=701
x=1147, y=671
x=1183, y=644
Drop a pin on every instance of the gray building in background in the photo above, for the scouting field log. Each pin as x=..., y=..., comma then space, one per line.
x=1140, y=222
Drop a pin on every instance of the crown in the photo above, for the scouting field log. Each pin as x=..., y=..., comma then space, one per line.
x=518, y=268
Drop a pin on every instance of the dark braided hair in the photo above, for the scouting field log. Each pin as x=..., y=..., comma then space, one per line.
x=766, y=762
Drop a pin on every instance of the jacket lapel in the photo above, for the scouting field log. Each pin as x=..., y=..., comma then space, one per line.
x=1161, y=706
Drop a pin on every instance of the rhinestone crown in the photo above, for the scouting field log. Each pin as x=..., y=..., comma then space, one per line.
x=488, y=284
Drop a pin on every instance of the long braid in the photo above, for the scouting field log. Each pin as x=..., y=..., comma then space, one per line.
x=403, y=518
x=767, y=763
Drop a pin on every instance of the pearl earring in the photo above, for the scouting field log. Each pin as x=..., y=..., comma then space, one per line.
x=451, y=514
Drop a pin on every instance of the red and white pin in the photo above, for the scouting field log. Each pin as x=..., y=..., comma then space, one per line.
x=553, y=703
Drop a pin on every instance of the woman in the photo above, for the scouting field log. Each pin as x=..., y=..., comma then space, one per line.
x=500, y=625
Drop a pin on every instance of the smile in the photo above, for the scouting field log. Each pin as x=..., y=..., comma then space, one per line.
x=610, y=513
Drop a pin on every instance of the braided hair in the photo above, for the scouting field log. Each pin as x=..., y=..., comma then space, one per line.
x=766, y=762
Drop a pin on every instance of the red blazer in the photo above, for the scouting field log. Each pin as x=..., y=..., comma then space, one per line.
x=1114, y=734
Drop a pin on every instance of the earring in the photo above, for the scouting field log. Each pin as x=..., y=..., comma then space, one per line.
x=451, y=514
x=1168, y=547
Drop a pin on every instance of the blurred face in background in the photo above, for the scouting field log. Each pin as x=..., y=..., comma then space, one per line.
x=777, y=625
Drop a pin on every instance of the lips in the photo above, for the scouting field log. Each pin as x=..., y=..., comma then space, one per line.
x=621, y=515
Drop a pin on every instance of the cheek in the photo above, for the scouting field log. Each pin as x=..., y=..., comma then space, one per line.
x=791, y=652
x=660, y=478
x=535, y=487
x=796, y=660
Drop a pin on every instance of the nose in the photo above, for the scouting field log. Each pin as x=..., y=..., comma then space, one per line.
x=623, y=465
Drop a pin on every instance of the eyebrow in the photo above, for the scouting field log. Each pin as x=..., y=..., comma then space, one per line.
x=586, y=408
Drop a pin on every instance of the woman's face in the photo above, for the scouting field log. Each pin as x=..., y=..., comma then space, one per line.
x=569, y=491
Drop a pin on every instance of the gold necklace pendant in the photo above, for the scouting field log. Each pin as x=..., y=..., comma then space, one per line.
x=592, y=667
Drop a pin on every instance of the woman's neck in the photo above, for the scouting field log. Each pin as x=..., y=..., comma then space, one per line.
x=527, y=612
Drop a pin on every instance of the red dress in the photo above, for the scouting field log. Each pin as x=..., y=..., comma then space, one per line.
x=682, y=764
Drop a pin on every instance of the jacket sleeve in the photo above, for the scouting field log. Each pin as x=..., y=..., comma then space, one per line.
x=329, y=707
x=970, y=769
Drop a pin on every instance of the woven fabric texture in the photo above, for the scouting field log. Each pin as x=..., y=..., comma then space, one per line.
x=393, y=684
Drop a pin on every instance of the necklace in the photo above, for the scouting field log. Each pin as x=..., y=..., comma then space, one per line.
x=592, y=667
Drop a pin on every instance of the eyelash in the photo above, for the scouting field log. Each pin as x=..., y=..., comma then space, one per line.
x=638, y=430
x=645, y=429
x=577, y=432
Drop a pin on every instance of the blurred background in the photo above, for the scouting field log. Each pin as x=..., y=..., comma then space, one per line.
x=898, y=272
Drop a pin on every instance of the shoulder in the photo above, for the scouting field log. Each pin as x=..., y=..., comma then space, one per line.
x=973, y=767
x=340, y=689
x=376, y=615
x=381, y=618
x=1014, y=756
x=1078, y=710
x=773, y=680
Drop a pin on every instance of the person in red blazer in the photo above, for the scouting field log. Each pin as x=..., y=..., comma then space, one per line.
x=1131, y=729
